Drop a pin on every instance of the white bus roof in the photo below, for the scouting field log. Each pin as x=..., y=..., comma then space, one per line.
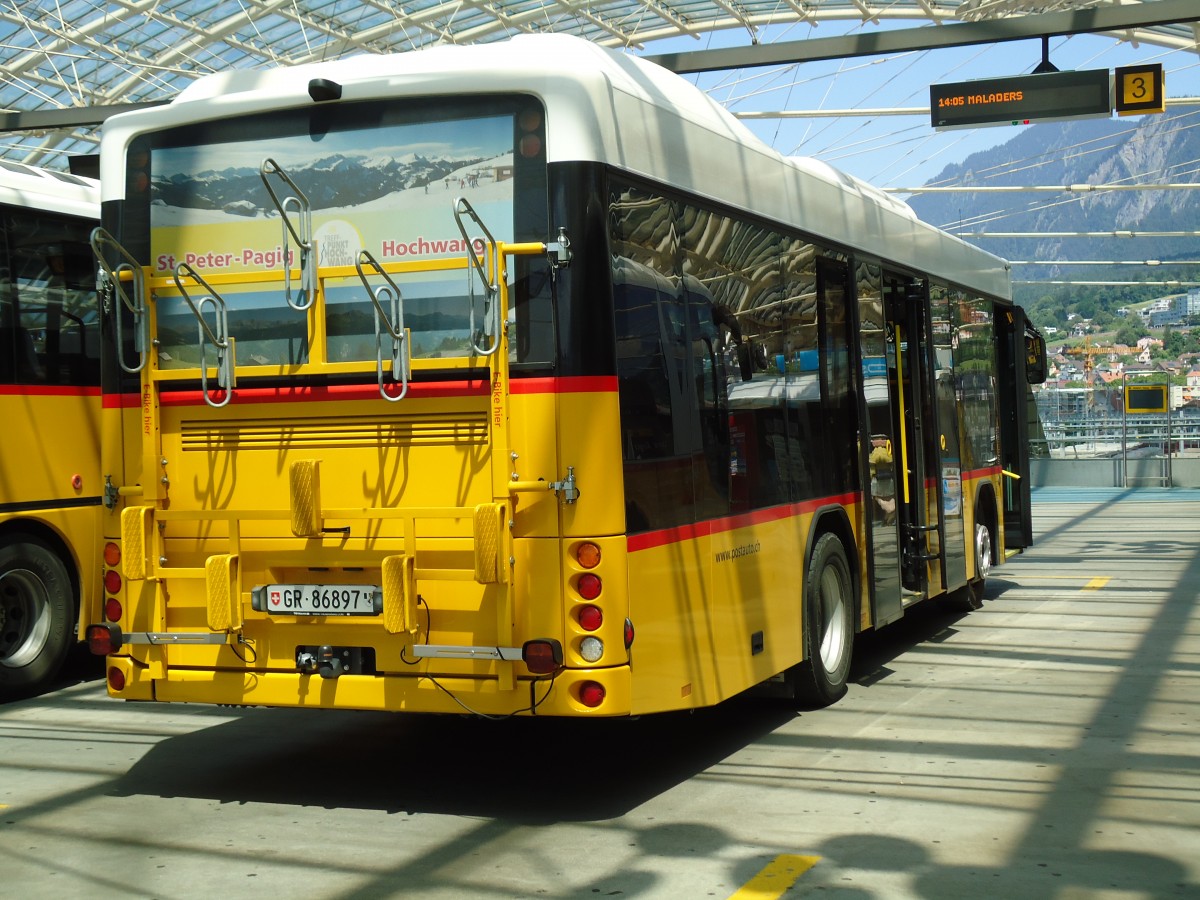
x=34, y=188
x=602, y=106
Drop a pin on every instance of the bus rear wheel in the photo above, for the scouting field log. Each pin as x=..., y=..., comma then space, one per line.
x=828, y=626
x=36, y=619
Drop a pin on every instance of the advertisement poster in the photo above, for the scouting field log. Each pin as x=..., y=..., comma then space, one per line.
x=389, y=190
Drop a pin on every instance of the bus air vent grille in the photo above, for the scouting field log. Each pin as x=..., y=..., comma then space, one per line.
x=357, y=431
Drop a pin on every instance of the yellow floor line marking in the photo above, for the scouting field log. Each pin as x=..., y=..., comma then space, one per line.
x=1054, y=577
x=1096, y=583
x=776, y=877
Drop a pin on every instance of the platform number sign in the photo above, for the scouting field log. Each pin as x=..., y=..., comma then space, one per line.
x=1139, y=90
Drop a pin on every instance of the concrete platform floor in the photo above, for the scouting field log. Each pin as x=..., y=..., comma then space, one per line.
x=1046, y=746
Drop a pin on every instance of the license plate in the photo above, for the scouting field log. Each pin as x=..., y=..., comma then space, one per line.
x=319, y=599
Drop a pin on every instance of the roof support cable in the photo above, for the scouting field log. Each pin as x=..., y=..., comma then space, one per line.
x=485, y=269
x=219, y=338
x=110, y=284
x=303, y=236
x=391, y=319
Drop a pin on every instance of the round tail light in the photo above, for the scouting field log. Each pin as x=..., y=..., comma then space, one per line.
x=587, y=555
x=589, y=586
x=591, y=694
x=590, y=617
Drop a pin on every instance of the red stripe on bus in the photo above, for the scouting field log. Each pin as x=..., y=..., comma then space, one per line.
x=440, y=389
x=122, y=401
x=972, y=474
x=47, y=390
x=665, y=536
x=319, y=394
x=575, y=384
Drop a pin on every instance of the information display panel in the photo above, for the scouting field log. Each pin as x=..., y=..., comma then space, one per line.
x=1146, y=398
x=1023, y=99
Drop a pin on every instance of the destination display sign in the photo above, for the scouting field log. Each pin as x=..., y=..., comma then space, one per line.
x=1022, y=99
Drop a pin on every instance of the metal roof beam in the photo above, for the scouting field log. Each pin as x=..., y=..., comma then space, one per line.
x=68, y=117
x=423, y=21
x=991, y=31
x=587, y=15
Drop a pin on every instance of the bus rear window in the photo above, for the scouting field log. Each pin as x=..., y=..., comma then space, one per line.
x=234, y=201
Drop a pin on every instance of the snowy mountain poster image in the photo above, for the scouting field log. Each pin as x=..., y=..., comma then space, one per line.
x=390, y=191
x=387, y=190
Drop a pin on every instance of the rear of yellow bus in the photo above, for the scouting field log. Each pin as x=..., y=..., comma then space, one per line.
x=350, y=463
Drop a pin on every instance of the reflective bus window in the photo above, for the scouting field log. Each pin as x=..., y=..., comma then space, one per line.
x=49, y=328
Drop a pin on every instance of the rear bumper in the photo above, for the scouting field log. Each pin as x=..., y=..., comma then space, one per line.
x=547, y=696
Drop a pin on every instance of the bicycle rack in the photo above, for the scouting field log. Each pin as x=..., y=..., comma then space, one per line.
x=220, y=339
x=389, y=292
x=308, y=270
x=110, y=279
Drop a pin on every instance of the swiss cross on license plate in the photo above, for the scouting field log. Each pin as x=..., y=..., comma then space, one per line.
x=318, y=599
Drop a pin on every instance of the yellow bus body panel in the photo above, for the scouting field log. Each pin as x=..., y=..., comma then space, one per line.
x=50, y=465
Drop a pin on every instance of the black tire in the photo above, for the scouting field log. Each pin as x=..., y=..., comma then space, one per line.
x=828, y=626
x=37, y=626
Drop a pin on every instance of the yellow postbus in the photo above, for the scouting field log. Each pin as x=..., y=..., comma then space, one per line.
x=50, y=486
x=520, y=378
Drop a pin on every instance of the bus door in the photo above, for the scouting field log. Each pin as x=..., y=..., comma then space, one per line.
x=910, y=382
x=1021, y=361
x=878, y=354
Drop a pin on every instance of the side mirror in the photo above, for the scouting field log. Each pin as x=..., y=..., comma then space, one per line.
x=745, y=360
x=1035, y=358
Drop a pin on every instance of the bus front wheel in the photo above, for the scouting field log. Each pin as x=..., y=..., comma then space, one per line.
x=985, y=558
x=828, y=626
x=970, y=597
x=36, y=621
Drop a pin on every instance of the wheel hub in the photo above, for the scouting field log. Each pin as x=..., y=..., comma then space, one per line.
x=24, y=617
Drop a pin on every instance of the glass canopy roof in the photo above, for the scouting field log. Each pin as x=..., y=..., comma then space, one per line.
x=74, y=54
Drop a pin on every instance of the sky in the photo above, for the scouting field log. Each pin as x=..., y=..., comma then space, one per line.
x=898, y=151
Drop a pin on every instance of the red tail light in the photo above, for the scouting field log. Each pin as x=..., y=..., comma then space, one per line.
x=591, y=694
x=589, y=586
x=112, y=581
x=590, y=617
x=116, y=679
x=103, y=640
x=628, y=634
x=543, y=656
x=112, y=609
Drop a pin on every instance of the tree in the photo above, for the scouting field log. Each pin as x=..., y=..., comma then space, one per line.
x=1130, y=333
x=1173, y=342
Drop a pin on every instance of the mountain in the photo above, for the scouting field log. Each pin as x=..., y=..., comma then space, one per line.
x=359, y=180
x=1153, y=149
